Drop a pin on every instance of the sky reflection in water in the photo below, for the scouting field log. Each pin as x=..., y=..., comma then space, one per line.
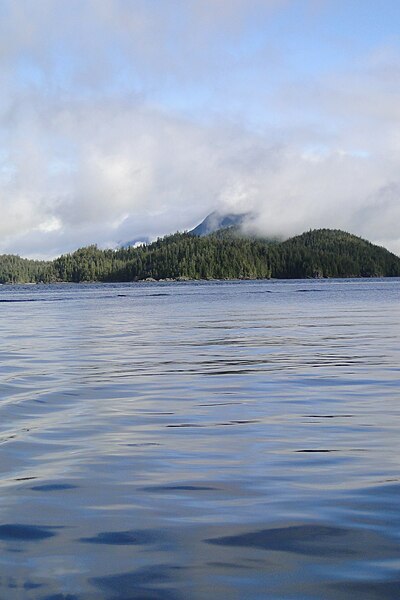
x=228, y=440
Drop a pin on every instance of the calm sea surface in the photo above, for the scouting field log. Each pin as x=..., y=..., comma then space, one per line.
x=178, y=441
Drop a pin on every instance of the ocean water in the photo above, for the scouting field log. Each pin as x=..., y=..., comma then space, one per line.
x=224, y=440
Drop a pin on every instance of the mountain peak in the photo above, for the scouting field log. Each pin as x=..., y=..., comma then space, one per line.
x=216, y=220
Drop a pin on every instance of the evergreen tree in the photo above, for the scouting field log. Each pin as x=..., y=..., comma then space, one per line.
x=223, y=255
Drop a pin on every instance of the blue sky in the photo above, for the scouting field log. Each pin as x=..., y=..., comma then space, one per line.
x=121, y=119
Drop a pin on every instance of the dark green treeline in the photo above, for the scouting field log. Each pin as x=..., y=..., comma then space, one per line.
x=14, y=269
x=225, y=255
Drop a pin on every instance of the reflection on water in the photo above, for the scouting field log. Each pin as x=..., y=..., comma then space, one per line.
x=200, y=440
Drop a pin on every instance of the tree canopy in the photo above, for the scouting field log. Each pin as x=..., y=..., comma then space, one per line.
x=222, y=255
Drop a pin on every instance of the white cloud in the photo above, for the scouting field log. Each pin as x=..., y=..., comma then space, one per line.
x=119, y=121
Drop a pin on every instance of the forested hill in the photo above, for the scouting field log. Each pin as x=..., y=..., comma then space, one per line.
x=14, y=269
x=318, y=253
x=334, y=253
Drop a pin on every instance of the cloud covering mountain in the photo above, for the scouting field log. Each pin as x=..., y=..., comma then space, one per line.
x=120, y=119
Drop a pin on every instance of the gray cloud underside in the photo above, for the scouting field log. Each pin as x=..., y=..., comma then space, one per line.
x=94, y=148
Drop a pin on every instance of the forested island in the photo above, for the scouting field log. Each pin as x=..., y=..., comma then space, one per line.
x=225, y=254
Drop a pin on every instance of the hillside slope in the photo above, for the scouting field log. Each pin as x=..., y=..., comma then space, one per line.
x=14, y=269
x=222, y=255
x=216, y=221
x=318, y=253
x=333, y=253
